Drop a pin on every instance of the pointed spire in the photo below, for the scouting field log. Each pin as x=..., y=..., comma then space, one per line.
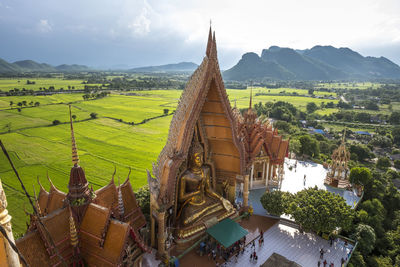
x=344, y=136
x=36, y=201
x=52, y=186
x=209, y=42
x=251, y=97
x=214, y=48
x=72, y=229
x=121, y=208
x=112, y=178
x=75, y=158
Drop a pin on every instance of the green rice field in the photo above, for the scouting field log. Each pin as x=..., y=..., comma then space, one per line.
x=37, y=147
x=6, y=83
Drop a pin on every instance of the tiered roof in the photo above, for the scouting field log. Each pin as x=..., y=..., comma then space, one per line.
x=87, y=227
x=204, y=103
x=257, y=135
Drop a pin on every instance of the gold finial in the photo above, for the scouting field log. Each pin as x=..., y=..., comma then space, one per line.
x=251, y=97
x=75, y=158
x=344, y=135
x=72, y=230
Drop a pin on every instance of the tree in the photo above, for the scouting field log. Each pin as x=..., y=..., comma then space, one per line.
x=361, y=151
x=321, y=211
x=73, y=117
x=394, y=117
x=365, y=235
x=37, y=104
x=93, y=115
x=309, y=146
x=383, y=163
x=19, y=104
x=276, y=202
x=24, y=103
x=396, y=135
x=360, y=175
x=310, y=91
x=166, y=111
x=143, y=199
x=311, y=107
x=56, y=122
x=295, y=146
x=11, y=103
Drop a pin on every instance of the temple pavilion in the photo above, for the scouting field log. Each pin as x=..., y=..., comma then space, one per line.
x=338, y=174
x=264, y=147
x=84, y=227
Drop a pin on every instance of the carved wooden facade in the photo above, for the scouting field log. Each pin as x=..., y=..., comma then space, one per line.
x=203, y=109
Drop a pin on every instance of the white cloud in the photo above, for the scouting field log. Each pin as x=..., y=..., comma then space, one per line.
x=44, y=26
x=141, y=24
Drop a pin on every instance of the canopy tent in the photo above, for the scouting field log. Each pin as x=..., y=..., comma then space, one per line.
x=227, y=232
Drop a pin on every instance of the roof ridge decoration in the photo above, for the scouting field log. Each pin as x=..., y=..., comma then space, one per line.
x=184, y=120
x=75, y=157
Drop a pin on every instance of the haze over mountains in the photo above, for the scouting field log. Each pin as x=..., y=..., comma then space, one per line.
x=32, y=66
x=275, y=63
x=317, y=63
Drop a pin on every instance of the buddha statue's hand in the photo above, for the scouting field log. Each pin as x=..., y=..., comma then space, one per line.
x=227, y=205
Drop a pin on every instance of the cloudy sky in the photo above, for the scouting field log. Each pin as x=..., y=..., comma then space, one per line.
x=151, y=32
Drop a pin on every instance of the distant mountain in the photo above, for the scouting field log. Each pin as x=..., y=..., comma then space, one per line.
x=71, y=68
x=317, y=63
x=32, y=66
x=251, y=66
x=182, y=66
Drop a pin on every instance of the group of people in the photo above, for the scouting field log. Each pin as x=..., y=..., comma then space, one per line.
x=217, y=252
x=325, y=263
x=253, y=254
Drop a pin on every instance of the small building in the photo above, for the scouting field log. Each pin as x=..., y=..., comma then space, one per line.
x=265, y=149
x=338, y=174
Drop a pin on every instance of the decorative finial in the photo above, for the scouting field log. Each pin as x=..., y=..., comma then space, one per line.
x=75, y=158
x=344, y=136
x=209, y=43
x=251, y=97
x=121, y=208
x=72, y=230
x=36, y=201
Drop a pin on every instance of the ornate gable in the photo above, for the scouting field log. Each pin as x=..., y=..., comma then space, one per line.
x=203, y=104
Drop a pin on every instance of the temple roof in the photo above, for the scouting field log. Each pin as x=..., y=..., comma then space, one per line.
x=258, y=135
x=81, y=223
x=204, y=99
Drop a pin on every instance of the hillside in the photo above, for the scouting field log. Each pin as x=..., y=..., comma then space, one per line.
x=33, y=66
x=317, y=63
x=182, y=66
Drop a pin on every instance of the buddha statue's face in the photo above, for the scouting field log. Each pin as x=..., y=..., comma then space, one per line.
x=197, y=159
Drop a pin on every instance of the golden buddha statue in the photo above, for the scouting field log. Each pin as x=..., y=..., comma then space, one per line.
x=196, y=197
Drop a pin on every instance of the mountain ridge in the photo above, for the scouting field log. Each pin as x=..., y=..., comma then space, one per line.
x=317, y=63
x=33, y=66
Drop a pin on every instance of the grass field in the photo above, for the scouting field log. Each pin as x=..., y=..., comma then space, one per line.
x=349, y=85
x=7, y=84
x=37, y=147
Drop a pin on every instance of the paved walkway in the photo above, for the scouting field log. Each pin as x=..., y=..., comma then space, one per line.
x=294, y=181
x=290, y=243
